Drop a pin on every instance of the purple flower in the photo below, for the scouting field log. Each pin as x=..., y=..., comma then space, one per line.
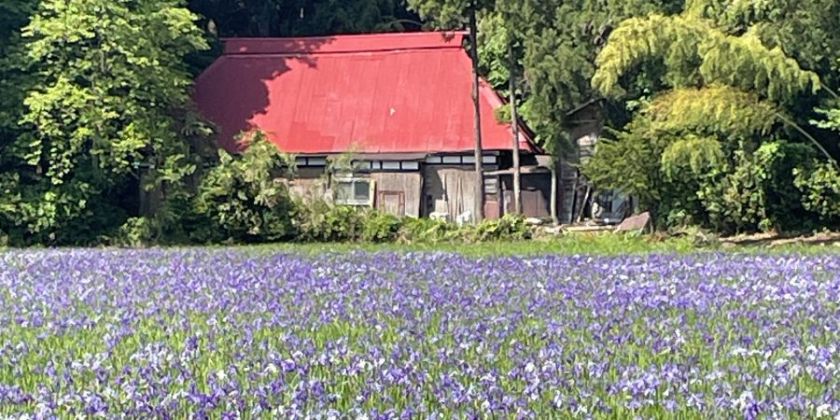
x=242, y=333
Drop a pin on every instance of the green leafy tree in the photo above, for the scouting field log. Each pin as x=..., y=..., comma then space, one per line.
x=804, y=29
x=555, y=45
x=457, y=13
x=108, y=108
x=832, y=119
x=727, y=100
x=14, y=77
x=748, y=46
x=303, y=17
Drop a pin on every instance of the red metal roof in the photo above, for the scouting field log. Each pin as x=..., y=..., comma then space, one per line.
x=390, y=93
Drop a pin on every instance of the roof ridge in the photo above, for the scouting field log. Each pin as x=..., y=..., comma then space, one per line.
x=348, y=52
x=349, y=36
x=344, y=43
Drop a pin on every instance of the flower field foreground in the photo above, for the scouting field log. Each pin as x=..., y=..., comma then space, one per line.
x=225, y=334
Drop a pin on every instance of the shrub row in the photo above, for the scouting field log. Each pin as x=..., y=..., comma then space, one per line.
x=241, y=201
x=326, y=223
x=323, y=222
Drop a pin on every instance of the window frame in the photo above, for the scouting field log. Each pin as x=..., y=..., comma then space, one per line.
x=353, y=181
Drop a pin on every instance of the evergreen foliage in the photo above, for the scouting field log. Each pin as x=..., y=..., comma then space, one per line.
x=14, y=74
x=714, y=110
x=756, y=191
x=695, y=53
x=263, y=18
x=697, y=154
x=831, y=119
x=556, y=43
x=449, y=13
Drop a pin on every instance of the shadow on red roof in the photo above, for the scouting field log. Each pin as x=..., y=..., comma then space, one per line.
x=389, y=93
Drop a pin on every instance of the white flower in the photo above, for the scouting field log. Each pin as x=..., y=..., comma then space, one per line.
x=823, y=410
x=744, y=401
x=739, y=351
x=530, y=367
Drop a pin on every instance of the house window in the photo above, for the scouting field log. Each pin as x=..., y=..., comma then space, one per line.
x=391, y=165
x=411, y=166
x=317, y=161
x=491, y=185
x=353, y=191
x=461, y=159
x=304, y=161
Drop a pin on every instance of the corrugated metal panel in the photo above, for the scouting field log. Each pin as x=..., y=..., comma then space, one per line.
x=400, y=93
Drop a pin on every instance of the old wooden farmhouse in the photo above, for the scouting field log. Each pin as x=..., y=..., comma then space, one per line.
x=398, y=107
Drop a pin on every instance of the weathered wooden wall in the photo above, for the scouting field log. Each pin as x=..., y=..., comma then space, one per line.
x=455, y=185
x=536, y=194
x=309, y=183
x=568, y=184
x=586, y=126
x=398, y=193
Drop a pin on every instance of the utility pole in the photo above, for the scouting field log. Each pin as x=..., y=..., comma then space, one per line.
x=517, y=184
x=554, y=162
x=478, y=208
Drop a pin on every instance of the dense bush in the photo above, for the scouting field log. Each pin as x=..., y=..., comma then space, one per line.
x=757, y=191
x=509, y=227
x=380, y=227
x=319, y=221
x=427, y=230
x=243, y=198
x=745, y=186
x=177, y=222
x=135, y=232
x=820, y=189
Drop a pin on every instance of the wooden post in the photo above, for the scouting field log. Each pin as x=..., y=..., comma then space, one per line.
x=517, y=184
x=583, y=203
x=478, y=208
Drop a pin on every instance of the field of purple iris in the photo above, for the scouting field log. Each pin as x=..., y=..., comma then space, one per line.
x=232, y=334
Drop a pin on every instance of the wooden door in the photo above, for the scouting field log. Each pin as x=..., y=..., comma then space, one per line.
x=391, y=202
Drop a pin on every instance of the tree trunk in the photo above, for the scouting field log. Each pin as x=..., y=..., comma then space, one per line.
x=478, y=208
x=517, y=184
